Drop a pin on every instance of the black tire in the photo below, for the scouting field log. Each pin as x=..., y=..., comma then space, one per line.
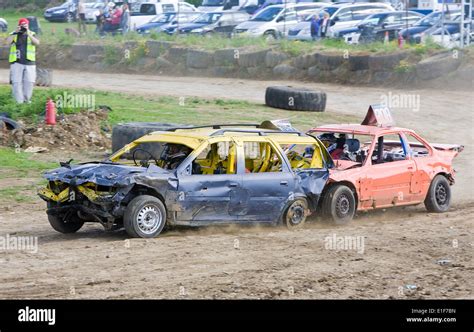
x=298, y=99
x=269, y=35
x=9, y=123
x=145, y=217
x=438, y=198
x=66, y=224
x=339, y=204
x=295, y=215
x=44, y=77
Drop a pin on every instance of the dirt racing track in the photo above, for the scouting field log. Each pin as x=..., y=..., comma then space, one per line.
x=396, y=253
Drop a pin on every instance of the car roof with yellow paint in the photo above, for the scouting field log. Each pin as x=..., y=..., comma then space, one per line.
x=194, y=136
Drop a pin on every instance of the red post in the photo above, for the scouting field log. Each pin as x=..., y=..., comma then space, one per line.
x=50, y=116
x=386, y=39
x=401, y=41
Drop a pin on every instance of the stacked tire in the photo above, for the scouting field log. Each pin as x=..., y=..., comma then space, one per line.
x=44, y=77
x=295, y=99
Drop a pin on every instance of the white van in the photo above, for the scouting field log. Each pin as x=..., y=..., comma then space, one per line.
x=342, y=16
x=148, y=10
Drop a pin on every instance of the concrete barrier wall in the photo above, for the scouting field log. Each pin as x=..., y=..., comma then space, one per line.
x=160, y=57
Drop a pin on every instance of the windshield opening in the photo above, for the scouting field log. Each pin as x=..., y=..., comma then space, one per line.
x=164, y=18
x=267, y=15
x=208, y=18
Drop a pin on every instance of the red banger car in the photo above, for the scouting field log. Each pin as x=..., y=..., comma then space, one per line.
x=377, y=165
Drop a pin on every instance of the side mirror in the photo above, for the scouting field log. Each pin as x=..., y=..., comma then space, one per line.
x=332, y=22
x=280, y=19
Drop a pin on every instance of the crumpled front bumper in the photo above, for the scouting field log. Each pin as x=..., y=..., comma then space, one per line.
x=67, y=195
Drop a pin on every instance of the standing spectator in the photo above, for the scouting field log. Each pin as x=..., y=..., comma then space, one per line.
x=125, y=24
x=22, y=61
x=100, y=21
x=81, y=17
x=325, y=24
x=315, y=27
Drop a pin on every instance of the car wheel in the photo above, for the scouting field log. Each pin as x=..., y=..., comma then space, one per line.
x=270, y=35
x=145, y=217
x=295, y=215
x=438, y=198
x=70, y=18
x=68, y=223
x=339, y=204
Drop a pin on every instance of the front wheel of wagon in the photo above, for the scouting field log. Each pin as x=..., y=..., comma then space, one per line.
x=145, y=217
x=66, y=223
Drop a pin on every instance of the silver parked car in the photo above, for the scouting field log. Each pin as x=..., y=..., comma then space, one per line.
x=342, y=16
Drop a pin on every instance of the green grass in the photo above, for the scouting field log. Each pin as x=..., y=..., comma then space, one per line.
x=16, y=163
x=18, y=194
x=190, y=110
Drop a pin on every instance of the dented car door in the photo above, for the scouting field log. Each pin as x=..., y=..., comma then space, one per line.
x=210, y=186
x=267, y=187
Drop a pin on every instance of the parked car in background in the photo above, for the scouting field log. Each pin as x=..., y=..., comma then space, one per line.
x=67, y=12
x=147, y=11
x=376, y=26
x=342, y=16
x=3, y=25
x=167, y=20
x=93, y=10
x=274, y=21
x=426, y=25
x=448, y=35
x=222, y=22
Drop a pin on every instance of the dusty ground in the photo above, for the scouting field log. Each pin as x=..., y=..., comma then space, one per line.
x=401, y=246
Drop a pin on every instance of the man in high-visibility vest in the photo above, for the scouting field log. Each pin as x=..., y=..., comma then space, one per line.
x=22, y=61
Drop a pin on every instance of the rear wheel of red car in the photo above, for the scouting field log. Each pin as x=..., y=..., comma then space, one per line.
x=339, y=204
x=438, y=197
x=145, y=217
x=67, y=223
x=295, y=215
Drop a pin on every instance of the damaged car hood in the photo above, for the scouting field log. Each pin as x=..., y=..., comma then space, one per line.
x=104, y=174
